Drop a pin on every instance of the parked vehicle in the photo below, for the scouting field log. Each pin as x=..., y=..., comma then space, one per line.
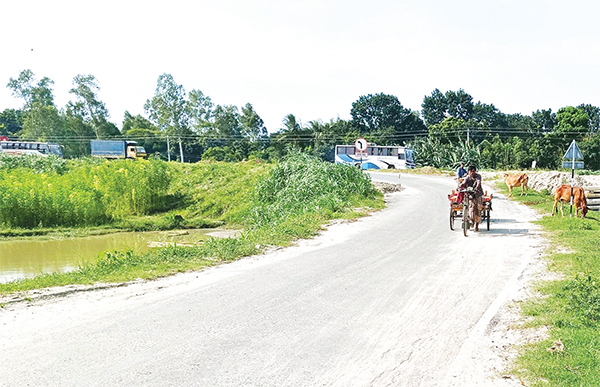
x=375, y=157
x=18, y=148
x=117, y=149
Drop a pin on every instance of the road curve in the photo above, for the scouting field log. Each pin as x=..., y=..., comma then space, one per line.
x=393, y=299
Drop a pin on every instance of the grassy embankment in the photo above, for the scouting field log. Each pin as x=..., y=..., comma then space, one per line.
x=570, y=306
x=273, y=204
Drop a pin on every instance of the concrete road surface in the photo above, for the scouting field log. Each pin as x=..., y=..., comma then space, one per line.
x=393, y=299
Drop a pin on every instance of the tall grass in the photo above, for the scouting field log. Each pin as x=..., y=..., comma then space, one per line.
x=88, y=194
x=302, y=184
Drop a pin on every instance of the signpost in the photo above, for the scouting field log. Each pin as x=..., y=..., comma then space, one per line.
x=361, y=146
x=572, y=154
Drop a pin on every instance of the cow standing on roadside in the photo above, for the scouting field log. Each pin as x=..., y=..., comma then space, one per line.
x=515, y=180
x=563, y=194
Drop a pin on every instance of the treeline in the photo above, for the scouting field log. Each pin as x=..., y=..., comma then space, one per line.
x=450, y=128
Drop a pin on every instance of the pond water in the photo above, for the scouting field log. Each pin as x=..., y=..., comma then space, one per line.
x=27, y=258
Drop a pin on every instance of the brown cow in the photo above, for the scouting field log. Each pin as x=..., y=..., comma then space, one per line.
x=563, y=194
x=515, y=180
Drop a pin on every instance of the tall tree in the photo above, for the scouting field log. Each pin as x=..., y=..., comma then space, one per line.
x=252, y=126
x=25, y=87
x=489, y=116
x=384, y=116
x=293, y=135
x=593, y=113
x=169, y=109
x=572, y=119
x=41, y=120
x=544, y=119
x=42, y=123
x=77, y=131
x=93, y=110
x=201, y=110
x=438, y=106
x=434, y=108
x=460, y=104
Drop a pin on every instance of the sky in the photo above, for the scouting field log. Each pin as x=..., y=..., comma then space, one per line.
x=310, y=58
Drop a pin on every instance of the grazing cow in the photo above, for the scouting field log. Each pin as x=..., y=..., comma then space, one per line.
x=515, y=180
x=563, y=194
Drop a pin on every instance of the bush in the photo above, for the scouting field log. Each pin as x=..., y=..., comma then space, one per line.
x=303, y=184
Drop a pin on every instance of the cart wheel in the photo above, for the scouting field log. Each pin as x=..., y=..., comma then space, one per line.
x=488, y=219
x=451, y=219
x=465, y=223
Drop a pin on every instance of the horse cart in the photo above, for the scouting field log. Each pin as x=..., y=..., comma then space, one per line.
x=459, y=208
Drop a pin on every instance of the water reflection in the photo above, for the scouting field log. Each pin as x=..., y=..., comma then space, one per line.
x=27, y=258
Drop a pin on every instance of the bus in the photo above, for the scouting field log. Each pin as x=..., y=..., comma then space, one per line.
x=376, y=157
x=30, y=148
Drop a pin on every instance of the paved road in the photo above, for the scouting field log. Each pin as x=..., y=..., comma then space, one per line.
x=393, y=299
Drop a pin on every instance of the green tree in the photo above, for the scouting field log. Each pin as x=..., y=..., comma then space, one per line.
x=489, y=116
x=93, y=110
x=292, y=135
x=252, y=126
x=11, y=122
x=434, y=108
x=384, y=117
x=459, y=104
x=140, y=129
x=544, y=119
x=77, y=132
x=25, y=87
x=169, y=109
x=42, y=123
x=572, y=121
x=593, y=113
x=41, y=119
x=201, y=110
x=453, y=129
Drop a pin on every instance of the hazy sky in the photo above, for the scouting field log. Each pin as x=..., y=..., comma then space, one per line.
x=307, y=57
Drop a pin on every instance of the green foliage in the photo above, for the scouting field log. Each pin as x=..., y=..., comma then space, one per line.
x=456, y=104
x=11, y=122
x=35, y=195
x=40, y=164
x=572, y=119
x=385, y=119
x=216, y=190
x=302, y=184
x=432, y=151
x=582, y=297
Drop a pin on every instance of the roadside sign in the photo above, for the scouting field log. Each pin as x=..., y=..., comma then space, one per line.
x=361, y=145
x=573, y=153
x=570, y=164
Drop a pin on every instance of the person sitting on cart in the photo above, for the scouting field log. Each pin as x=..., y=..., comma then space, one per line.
x=461, y=172
x=473, y=179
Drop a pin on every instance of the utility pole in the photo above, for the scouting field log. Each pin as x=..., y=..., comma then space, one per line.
x=168, y=149
x=180, y=150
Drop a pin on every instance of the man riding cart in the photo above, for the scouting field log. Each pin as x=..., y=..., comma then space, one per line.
x=473, y=179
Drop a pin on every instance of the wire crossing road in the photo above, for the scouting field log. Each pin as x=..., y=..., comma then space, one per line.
x=393, y=299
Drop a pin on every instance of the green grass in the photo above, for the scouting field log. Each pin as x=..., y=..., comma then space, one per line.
x=570, y=306
x=276, y=204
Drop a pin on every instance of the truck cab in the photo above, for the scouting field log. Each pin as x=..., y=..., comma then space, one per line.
x=134, y=151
